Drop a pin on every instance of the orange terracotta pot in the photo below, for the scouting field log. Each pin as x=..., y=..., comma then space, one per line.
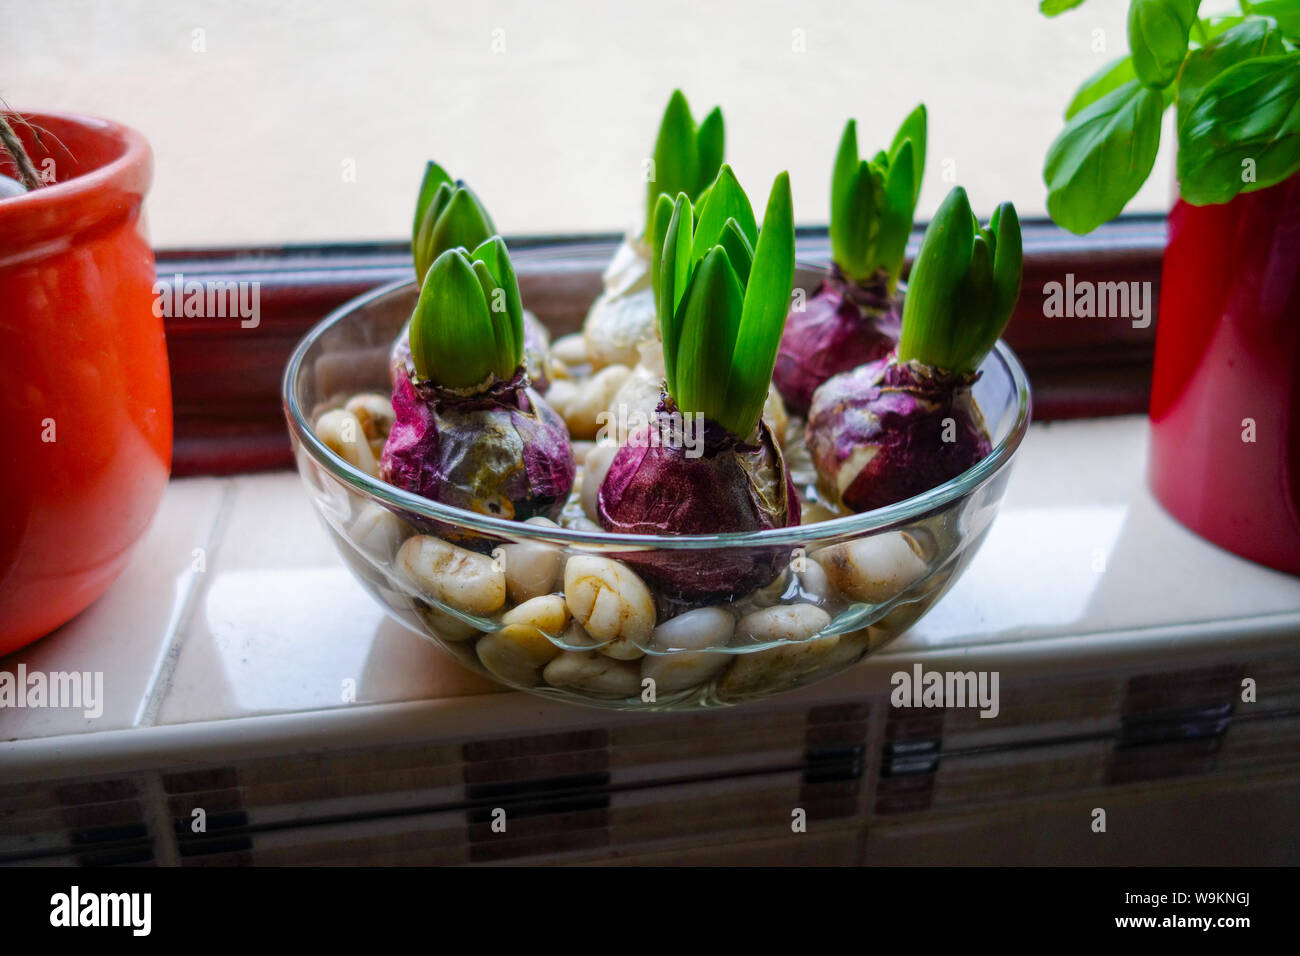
x=85, y=398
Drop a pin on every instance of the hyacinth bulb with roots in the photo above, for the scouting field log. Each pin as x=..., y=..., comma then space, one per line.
x=895, y=428
x=709, y=463
x=853, y=316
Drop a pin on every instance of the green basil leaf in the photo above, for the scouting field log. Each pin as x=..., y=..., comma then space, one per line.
x=1054, y=8
x=1285, y=12
x=1110, y=77
x=1220, y=24
x=1157, y=38
x=1243, y=132
x=1102, y=157
x=1251, y=38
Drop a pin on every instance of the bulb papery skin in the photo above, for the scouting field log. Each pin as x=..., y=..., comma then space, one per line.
x=623, y=317
x=888, y=431
x=500, y=451
x=719, y=485
x=842, y=325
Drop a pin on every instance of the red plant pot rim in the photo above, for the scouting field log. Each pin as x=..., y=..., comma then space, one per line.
x=50, y=218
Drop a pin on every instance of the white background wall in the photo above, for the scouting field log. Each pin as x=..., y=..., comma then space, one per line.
x=252, y=135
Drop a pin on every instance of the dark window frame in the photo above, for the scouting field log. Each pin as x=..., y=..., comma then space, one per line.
x=226, y=379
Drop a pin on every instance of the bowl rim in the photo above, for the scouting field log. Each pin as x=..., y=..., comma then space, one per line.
x=802, y=535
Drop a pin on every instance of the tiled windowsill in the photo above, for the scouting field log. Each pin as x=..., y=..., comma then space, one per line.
x=236, y=628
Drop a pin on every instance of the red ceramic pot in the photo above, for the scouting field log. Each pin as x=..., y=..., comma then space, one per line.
x=85, y=400
x=1227, y=370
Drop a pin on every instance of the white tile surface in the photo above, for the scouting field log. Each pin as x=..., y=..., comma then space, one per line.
x=279, y=624
x=127, y=632
x=1081, y=547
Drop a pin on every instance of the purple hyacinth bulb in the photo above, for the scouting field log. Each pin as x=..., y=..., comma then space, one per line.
x=502, y=451
x=886, y=431
x=844, y=325
x=713, y=485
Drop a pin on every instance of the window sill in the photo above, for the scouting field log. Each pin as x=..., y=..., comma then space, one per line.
x=228, y=642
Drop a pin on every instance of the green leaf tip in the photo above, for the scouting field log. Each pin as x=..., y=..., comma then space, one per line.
x=686, y=157
x=963, y=286
x=724, y=290
x=873, y=202
x=468, y=323
x=1054, y=8
x=447, y=216
x=1158, y=33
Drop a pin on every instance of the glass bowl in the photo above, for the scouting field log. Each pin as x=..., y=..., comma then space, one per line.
x=560, y=612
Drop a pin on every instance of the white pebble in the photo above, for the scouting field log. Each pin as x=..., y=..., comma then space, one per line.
x=814, y=582
x=570, y=349
x=464, y=580
x=581, y=523
x=593, y=476
x=775, y=414
x=518, y=651
x=560, y=394
x=593, y=397
x=374, y=412
x=531, y=567
x=813, y=512
x=342, y=433
x=617, y=324
x=611, y=603
x=785, y=622
x=873, y=569
x=378, y=532
x=685, y=638
x=779, y=667
x=593, y=674
x=638, y=396
x=446, y=626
